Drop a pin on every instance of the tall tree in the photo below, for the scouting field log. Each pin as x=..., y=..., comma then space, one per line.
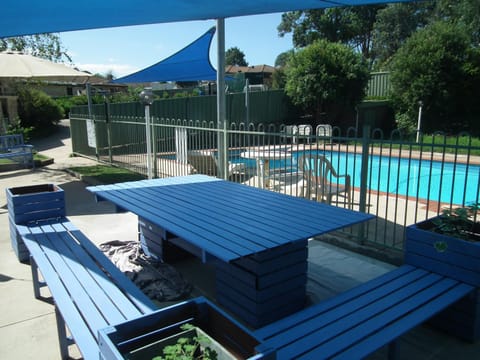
x=349, y=25
x=46, y=46
x=394, y=25
x=234, y=56
x=462, y=12
x=324, y=75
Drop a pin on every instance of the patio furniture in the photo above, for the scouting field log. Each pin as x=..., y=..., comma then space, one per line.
x=257, y=239
x=206, y=163
x=12, y=147
x=263, y=158
x=356, y=323
x=321, y=181
x=89, y=292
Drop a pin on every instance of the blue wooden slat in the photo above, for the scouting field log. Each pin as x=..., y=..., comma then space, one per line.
x=77, y=262
x=110, y=300
x=331, y=324
x=397, y=276
x=443, y=268
x=229, y=220
x=224, y=279
x=407, y=322
x=280, y=209
x=201, y=215
x=178, y=226
x=302, y=209
x=84, y=339
x=218, y=214
x=92, y=315
x=376, y=316
x=131, y=291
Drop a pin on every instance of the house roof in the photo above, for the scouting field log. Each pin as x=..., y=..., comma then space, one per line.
x=255, y=69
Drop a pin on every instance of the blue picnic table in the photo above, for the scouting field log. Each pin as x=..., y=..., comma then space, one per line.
x=257, y=239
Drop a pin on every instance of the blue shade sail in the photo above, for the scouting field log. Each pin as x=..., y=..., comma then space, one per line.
x=33, y=16
x=192, y=63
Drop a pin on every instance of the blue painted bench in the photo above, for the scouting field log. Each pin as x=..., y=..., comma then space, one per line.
x=12, y=147
x=363, y=319
x=89, y=291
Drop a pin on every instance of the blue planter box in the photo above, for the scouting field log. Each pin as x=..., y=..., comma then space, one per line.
x=455, y=258
x=119, y=341
x=30, y=203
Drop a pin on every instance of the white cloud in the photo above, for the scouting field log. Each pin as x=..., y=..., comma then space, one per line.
x=117, y=70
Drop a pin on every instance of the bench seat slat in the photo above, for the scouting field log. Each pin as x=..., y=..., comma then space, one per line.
x=85, y=340
x=403, y=325
x=77, y=293
x=141, y=300
x=365, y=318
x=353, y=329
x=276, y=332
x=110, y=301
x=91, y=293
x=330, y=325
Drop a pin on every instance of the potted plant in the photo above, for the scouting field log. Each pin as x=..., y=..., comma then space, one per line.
x=161, y=334
x=190, y=344
x=449, y=244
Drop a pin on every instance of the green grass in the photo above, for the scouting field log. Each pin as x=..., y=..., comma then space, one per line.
x=107, y=174
x=36, y=156
x=438, y=143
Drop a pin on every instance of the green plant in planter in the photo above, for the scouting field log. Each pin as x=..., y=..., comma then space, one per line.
x=459, y=222
x=195, y=348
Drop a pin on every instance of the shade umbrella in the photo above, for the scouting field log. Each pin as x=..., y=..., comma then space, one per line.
x=20, y=66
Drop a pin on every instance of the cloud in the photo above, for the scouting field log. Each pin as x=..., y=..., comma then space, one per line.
x=117, y=70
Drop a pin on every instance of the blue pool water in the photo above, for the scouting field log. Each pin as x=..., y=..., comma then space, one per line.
x=425, y=179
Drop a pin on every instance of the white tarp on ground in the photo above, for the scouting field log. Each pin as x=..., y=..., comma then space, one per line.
x=159, y=281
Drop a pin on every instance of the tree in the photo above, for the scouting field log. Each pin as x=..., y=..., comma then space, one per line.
x=394, y=25
x=234, y=56
x=461, y=12
x=349, y=25
x=46, y=46
x=282, y=59
x=439, y=66
x=324, y=75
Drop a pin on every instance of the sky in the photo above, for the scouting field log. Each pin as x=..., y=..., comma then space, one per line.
x=124, y=50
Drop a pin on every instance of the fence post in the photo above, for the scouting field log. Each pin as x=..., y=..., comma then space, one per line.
x=109, y=130
x=364, y=180
x=221, y=102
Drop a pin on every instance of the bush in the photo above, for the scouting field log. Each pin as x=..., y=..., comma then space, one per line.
x=15, y=128
x=38, y=110
x=67, y=102
x=438, y=66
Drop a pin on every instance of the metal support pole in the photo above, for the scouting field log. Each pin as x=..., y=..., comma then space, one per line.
x=247, y=102
x=364, y=180
x=146, y=97
x=92, y=136
x=109, y=129
x=148, y=130
x=419, y=121
x=221, y=102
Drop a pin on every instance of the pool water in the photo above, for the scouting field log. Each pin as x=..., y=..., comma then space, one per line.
x=447, y=182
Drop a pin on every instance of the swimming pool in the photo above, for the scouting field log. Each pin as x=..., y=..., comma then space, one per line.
x=434, y=180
